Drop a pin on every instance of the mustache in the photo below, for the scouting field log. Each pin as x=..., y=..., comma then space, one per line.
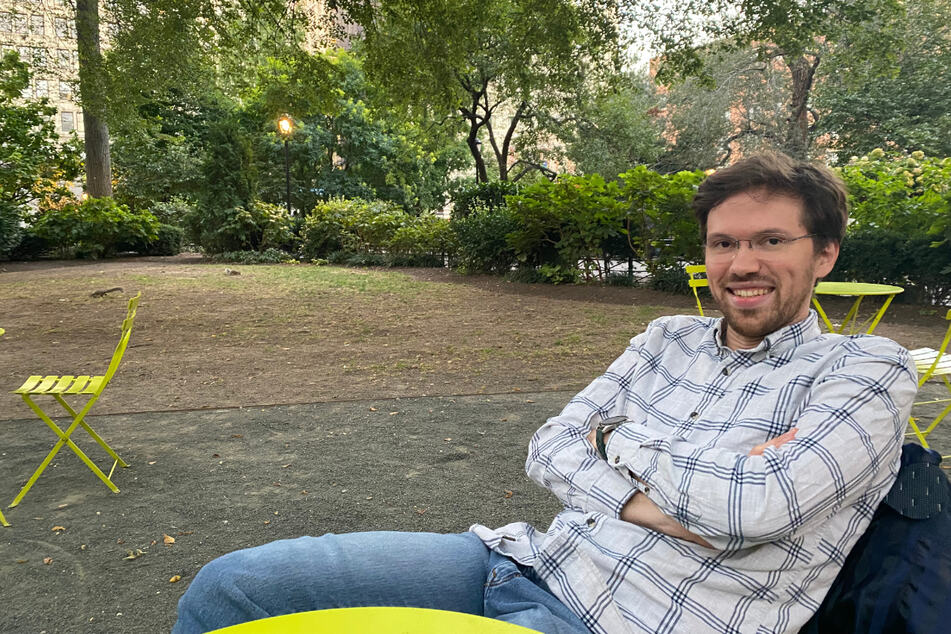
x=748, y=278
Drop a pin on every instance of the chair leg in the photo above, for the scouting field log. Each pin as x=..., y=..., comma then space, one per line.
x=3, y=520
x=64, y=439
x=89, y=430
x=921, y=437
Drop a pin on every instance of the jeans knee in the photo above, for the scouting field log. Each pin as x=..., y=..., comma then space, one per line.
x=215, y=597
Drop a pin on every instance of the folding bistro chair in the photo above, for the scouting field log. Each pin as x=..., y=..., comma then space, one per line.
x=695, y=271
x=933, y=363
x=3, y=520
x=57, y=387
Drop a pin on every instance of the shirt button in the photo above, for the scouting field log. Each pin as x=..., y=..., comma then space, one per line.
x=726, y=371
x=694, y=414
x=617, y=459
x=590, y=522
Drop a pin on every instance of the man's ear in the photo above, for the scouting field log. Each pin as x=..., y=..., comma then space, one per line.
x=825, y=259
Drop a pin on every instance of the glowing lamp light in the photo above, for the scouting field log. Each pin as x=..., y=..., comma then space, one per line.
x=285, y=124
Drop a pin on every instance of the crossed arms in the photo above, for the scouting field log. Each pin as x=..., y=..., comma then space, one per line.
x=849, y=424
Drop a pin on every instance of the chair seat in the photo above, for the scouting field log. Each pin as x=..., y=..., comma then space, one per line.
x=53, y=384
x=924, y=357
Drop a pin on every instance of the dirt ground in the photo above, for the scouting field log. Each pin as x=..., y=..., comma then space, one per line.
x=299, y=334
x=409, y=400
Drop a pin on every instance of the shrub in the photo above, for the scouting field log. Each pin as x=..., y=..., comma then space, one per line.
x=256, y=227
x=670, y=279
x=481, y=241
x=268, y=256
x=354, y=226
x=10, y=230
x=168, y=241
x=424, y=238
x=95, y=227
x=566, y=223
x=489, y=195
x=172, y=212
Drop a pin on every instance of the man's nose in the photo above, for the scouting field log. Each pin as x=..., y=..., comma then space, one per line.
x=745, y=258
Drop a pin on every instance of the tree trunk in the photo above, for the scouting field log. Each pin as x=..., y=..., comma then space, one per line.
x=96, y=135
x=797, y=132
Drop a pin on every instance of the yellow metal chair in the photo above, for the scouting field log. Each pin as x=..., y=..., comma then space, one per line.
x=3, y=520
x=695, y=271
x=57, y=387
x=933, y=363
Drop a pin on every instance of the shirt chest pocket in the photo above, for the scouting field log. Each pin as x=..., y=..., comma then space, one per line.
x=747, y=415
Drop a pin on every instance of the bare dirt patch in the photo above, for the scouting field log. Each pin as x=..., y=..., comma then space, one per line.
x=301, y=334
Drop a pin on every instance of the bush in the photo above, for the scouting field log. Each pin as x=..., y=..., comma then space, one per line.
x=425, y=238
x=10, y=231
x=257, y=227
x=95, y=228
x=172, y=212
x=670, y=279
x=354, y=226
x=168, y=241
x=31, y=247
x=565, y=224
x=901, y=224
x=481, y=196
x=268, y=256
x=481, y=241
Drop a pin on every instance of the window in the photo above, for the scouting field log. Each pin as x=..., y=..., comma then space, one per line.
x=63, y=57
x=65, y=90
x=37, y=24
x=20, y=24
x=42, y=88
x=6, y=22
x=39, y=57
x=27, y=92
x=61, y=26
x=74, y=58
x=67, y=123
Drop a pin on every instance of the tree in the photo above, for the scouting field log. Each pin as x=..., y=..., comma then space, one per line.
x=491, y=65
x=161, y=46
x=906, y=109
x=615, y=129
x=30, y=152
x=788, y=33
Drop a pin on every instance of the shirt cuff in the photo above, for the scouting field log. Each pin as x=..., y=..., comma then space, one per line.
x=609, y=493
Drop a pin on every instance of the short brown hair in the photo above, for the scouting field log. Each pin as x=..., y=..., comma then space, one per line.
x=822, y=193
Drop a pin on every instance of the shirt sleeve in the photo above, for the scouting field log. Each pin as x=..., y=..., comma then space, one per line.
x=848, y=444
x=560, y=457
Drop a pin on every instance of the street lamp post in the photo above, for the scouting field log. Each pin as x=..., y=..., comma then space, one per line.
x=285, y=125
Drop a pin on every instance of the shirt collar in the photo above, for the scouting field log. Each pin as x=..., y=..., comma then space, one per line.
x=777, y=342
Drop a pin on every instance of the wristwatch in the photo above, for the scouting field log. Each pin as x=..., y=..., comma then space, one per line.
x=605, y=427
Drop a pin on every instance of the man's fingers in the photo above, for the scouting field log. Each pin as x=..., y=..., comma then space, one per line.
x=776, y=442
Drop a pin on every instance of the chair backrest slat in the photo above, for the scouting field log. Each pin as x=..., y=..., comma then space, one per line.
x=123, y=342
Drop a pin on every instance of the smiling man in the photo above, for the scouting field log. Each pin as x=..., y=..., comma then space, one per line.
x=713, y=479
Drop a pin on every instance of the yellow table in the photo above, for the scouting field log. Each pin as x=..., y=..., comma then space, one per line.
x=376, y=621
x=858, y=290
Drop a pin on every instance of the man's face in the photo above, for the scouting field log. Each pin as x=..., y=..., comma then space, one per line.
x=760, y=292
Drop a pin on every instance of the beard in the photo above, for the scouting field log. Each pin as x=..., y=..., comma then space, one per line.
x=787, y=307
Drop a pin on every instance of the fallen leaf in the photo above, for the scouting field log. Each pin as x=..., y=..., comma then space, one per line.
x=419, y=511
x=372, y=409
x=503, y=419
x=134, y=554
x=62, y=506
x=175, y=579
x=304, y=492
x=180, y=533
x=152, y=543
x=237, y=435
x=120, y=541
x=21, y=561
x=285, y=466
x=266, y=522
x=47, y=560
x=214, y=455
x=168, y=539
x=447, y=439
x=508, y=494
x=82, y=547
x=392, y=413
x=59, y=529
x=529, y=400
x=151, y=462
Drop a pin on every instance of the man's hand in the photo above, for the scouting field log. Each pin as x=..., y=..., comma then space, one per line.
x=775, y=443
x=642, y=511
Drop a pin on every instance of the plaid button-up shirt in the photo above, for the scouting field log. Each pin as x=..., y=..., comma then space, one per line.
x=781, y=524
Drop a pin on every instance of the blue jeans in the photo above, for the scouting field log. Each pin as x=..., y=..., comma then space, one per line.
x=424, y=570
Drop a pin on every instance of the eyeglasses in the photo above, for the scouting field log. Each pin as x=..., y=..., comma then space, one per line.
x=723, y=248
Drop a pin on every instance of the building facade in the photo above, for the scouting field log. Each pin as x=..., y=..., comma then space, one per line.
x=43, y=32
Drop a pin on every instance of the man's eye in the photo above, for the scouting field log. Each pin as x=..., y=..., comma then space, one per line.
x=723, y=244
x=773, y=241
